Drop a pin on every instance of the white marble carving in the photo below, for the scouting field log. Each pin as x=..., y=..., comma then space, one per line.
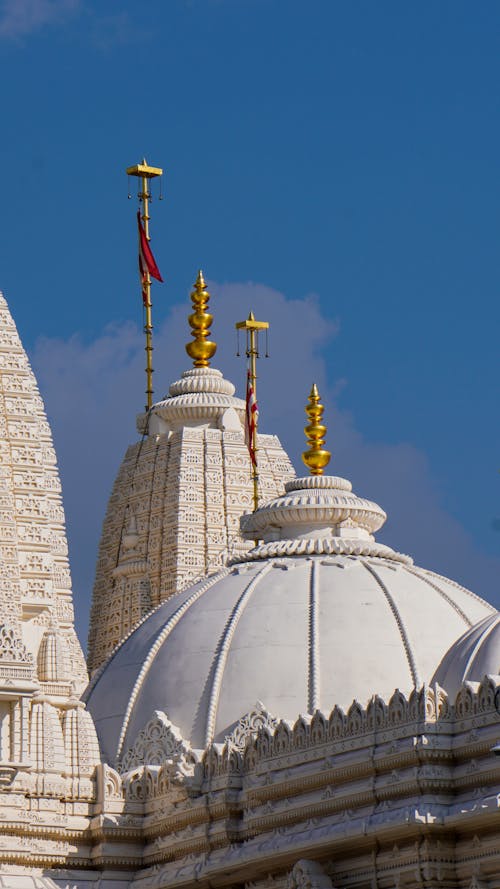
x=157, y=743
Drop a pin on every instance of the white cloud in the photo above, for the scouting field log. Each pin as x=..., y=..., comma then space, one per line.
x=18, y=18
x=94, y=390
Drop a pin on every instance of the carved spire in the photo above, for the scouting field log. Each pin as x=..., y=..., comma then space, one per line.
x=201, y=350
x=315, y=458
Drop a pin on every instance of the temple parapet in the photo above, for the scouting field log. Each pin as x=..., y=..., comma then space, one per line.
x=314, y=786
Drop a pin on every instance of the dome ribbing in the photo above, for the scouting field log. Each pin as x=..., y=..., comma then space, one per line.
x=336, y=617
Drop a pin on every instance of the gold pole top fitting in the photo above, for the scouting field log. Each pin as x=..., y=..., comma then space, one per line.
x=144, y=170
x=252, y=324
x=201, y=350
x=315, y=458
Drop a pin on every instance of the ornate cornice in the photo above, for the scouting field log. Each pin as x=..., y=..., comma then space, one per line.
x=318, y=546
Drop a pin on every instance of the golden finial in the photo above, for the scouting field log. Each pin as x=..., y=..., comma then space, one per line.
x=201, y=350
x=315, y=458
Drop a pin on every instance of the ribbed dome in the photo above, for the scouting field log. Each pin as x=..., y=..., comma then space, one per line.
x=473, y=656
x=333, y=618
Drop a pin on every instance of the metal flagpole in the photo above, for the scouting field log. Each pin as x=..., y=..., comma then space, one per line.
x=144, y=172
x=252, y=328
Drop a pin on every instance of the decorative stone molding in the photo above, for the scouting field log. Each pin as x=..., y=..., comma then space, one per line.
x=12, y=649
x=109, y=786
x=157, y=743
x=158, y=785
x=424, y=707
x=307, y=874
x=317, y=546
x=475, y=698
x=14, y=654
x=46, y=746
x=249, y=725
x=305, y=792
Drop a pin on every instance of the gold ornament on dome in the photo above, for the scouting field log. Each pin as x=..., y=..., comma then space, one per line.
x=316, y=457
x=201, y=350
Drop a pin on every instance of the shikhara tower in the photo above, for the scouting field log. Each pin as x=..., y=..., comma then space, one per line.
x=174, y=511
x=35, y=583
x=48, y=745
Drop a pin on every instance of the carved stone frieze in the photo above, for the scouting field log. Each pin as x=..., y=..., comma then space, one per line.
x=12, y=649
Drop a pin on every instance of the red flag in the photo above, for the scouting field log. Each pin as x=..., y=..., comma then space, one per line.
x=147, y=262
x=251, y=419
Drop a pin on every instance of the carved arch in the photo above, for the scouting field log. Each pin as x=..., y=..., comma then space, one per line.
x=486, y=694
x=398, y=708
x=159, y=742
x=376, y=713
x=355, y=718
x=283, y=736
x=337, y=723
x=249, y=724
x=319, y=728
x=466, y=700
x=301, y=733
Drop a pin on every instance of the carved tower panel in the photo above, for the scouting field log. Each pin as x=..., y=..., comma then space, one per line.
x=35, y=582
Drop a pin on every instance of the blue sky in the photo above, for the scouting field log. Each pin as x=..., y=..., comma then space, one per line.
x=337, y=163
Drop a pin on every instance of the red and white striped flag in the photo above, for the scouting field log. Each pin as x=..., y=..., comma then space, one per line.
x=147, y=262
x=251, y=419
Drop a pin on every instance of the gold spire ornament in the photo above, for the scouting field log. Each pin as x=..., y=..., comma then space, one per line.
x=201, y=350
x=316, y=457
x=144, y=172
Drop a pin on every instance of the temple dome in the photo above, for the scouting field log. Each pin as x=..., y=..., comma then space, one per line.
x=317, y=614
x=473, y=656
